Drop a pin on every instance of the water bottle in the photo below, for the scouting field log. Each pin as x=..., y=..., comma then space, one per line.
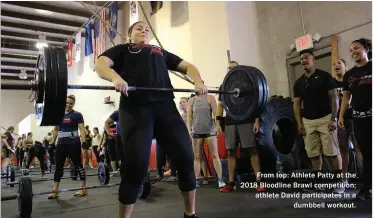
x=279, y=165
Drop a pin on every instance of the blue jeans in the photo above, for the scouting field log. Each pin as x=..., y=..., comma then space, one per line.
x=161, y=161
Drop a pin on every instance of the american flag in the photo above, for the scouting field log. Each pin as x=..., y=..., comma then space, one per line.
x=100, y=35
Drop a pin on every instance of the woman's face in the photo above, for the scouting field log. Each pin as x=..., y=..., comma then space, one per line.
x=30, y=136
x=69, y=104
x=95, y=131
x=140, y=33
x=357, y=52
x=339, y=67
x=183, y=104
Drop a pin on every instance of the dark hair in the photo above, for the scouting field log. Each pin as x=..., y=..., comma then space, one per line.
x=29, y=133
x=49, y=134
x=129, y=31
x=306, y=52
x=366, y=43
x=10, y=128
x=95, y=128
x=342, y=60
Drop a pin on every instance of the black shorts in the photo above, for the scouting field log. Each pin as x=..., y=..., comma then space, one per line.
x=7, y=153
x=203, y=136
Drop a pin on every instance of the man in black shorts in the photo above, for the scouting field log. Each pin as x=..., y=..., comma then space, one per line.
x=146, y=114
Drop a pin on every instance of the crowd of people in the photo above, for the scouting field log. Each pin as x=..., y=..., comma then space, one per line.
x=125, y=144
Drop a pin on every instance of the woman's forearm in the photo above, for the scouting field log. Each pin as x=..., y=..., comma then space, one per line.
x=345, y=104
x=104, y=71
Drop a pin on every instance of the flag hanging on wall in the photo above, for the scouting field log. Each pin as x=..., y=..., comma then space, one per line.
x=78, y=46
x=88, y=41
x=70, y=53
x=100, y=35
x=113, y=13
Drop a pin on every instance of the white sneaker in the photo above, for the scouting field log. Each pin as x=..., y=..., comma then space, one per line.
x=221, y=183
x=205, y=182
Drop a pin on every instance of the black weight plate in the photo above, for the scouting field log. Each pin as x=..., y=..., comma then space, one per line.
x=263, y=89
x=62, y=85
x=266, y=90
x=73, y=172
x=25, y=196
x=45, y=111
x=145, y=188
x=39, y=82
x=103, y=174
x=11, y=175
x=240, y=108
x=52, y=120
x=260, y=103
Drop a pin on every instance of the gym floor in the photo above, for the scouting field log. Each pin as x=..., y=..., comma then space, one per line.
x=165, y=201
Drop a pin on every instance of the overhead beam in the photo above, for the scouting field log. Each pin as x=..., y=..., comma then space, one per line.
x=19, y=51
x=42, y=13
x=33, y=32
x=18, y=60
x=39, y=23
x=30, y=39
x=5, y=67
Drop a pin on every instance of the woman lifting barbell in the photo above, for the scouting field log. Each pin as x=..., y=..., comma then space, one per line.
x=69, y=144
x=144, y=114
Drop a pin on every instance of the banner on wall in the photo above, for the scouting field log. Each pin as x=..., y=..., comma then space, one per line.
x=88, y=48
x=70, y=53
x=78, y=46
x=113, y=14
x=134, y=12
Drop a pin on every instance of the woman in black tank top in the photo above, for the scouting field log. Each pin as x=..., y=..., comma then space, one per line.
x=86, y=150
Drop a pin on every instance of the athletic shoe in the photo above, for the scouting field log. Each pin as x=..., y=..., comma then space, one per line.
x=81, y=192
x=193, y=216
x=221, y=183
x=205, y=182
x=53, y=195
x=171, y=179
x=228, y=188
x=197, y=183
x=43, y=176
x=260, y=189
x=364, y=194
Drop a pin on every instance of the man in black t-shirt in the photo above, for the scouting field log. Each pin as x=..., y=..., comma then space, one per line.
x=243, y=132
x=144, y=114
x=316, y=91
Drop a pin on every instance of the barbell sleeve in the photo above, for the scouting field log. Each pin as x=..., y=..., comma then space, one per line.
x=10, y=197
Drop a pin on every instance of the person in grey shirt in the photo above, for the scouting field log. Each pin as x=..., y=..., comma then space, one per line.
x=201, y=125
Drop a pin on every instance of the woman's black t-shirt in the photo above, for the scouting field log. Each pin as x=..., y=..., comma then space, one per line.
x=358, y=82
x=143, y=65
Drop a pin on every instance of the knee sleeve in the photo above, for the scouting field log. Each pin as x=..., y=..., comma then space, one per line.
x=82, y=173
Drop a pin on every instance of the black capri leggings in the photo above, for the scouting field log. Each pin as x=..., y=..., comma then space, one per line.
x=363, y=132
x=38, y=152
x=138, y=125
x=71, y=148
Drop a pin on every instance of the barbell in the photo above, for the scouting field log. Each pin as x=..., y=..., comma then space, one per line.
x=25, y=194
x=244, y=89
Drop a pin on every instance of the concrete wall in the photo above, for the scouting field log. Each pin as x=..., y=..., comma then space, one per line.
x=14, y=107
x=279, y=23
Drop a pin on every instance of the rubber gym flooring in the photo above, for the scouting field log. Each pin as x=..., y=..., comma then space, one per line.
x=165, y=201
